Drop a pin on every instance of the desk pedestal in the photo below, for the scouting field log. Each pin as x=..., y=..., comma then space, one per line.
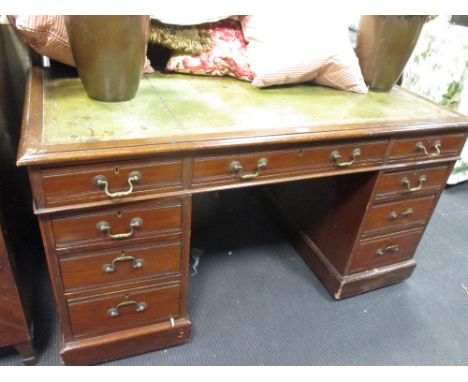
x=353, y=233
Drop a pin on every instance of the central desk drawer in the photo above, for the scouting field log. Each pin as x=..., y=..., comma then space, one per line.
x=129, y=308
x=115, y=266
x=116, y=226
x=393, y=216
x=242, y=167
x=109, y=181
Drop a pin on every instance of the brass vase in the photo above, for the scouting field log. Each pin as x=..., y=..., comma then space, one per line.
x=109, y=53
x=384, y=46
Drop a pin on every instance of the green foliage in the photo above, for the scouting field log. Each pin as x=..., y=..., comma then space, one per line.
x=450, y=98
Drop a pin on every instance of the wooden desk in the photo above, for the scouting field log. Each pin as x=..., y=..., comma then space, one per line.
x=113, y=183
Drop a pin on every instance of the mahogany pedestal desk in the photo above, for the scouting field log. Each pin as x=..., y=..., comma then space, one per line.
x=352, y=178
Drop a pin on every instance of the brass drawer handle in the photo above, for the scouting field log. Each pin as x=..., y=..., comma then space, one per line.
x=104, y=226
x=390, y=249
x=336, y=157
x=237, y=168
x=115, y=311
x=395, y=215
x=136, y=263
x=406, y=182
x=101, y=181
x=436, y=146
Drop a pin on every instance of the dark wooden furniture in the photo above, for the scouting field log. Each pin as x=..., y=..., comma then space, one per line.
x=353, y=179
x=16, y=219
x=14, y=322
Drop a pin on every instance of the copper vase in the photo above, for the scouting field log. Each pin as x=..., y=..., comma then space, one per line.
x=109, y=53
x=384, y=45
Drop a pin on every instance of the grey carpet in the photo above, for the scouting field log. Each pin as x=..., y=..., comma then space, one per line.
x=254, y=302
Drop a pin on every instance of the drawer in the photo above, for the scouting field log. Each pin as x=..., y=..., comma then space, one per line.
x=422, y=148
x=116, y=226
x=385, y=250
x=87, y=183
x=249, y=167
x=128, y=308
x=114, y=266
x=393, y=216
x=412, y=182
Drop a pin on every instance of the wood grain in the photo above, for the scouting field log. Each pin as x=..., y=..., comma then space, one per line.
x=71, y=231
x=368, y=256
x=85, y=270
x=378, y=219
x=74, y=184
x=391, y=186
x=405, y=149
x=90, y=315
x=93, y=350
x=281, y=163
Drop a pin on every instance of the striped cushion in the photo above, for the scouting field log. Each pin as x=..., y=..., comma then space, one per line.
x=284, y=50
x=48, y=36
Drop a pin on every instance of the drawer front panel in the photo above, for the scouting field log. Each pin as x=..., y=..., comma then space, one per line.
x=98, y=269
x=385, y=250
x=231, y=168
x=96, y=228
x=77, y=184
x=422, y=148
x=392, y=216
x=130, y=308
x=409, y=183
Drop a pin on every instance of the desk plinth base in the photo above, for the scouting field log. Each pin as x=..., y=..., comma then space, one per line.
x=351, y=285
x=126, y=343
x=27, y=353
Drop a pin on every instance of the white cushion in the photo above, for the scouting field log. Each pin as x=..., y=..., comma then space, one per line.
x=285, y=50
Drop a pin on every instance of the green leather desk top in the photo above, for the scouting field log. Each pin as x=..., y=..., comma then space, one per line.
x=172, y=113
x=184, y=105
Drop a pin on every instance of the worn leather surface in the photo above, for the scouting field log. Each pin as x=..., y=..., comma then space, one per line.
x=175, y=105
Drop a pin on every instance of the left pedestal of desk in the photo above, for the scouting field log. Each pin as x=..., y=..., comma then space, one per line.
x=119, y=273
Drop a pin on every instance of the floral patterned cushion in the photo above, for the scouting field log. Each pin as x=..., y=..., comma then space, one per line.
x=227, y=57
x=184, y=39
x=438, y=69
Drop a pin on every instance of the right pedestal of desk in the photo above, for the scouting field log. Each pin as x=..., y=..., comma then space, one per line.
x=359, y=232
